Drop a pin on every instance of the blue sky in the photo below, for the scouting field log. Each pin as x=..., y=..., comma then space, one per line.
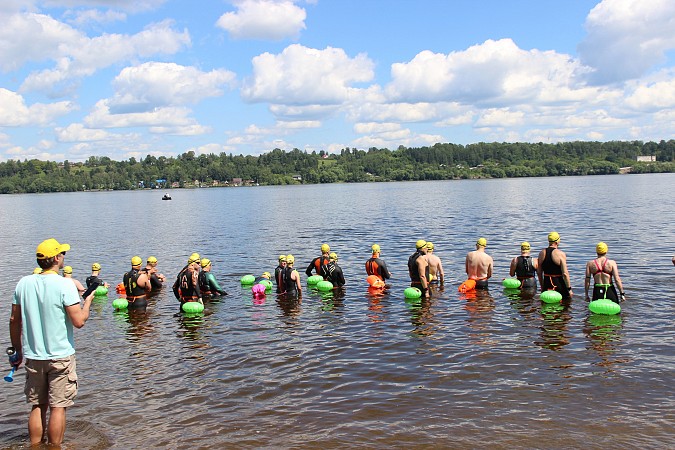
x=128, y=78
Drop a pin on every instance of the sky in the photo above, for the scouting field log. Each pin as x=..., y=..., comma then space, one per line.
x=131, y=78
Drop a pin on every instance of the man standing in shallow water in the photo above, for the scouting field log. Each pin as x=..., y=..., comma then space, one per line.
x=50, y=302
x=478, y=265
x=436, y=275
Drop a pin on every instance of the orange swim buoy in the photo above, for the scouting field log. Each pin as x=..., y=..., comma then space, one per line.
x=120, y=289
x=375, y=281
x=468, y=285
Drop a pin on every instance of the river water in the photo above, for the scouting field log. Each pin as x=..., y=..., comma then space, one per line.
x=360, y=369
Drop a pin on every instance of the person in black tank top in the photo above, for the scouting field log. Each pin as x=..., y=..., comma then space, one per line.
x=553, y=275
x=524, y=267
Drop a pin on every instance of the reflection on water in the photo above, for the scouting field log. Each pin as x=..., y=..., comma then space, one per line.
x=361, y=367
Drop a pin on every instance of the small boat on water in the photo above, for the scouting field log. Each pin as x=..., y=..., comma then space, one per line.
x=166, y=197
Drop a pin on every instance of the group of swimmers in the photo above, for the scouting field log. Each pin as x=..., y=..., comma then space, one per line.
x=550, y=268
x=195, y=281
x=425, y=269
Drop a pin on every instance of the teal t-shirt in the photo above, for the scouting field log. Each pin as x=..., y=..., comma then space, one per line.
x=46, y=330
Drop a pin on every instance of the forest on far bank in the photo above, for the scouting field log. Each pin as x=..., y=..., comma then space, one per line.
x=438, y=162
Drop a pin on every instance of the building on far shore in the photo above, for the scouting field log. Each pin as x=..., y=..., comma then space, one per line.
x=648, y=158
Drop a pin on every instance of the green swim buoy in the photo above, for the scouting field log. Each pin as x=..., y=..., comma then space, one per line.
x=550, y=297
x=192, y=307
x=511, y=283
x=247, y=279
x=120, y=303
x=268, y=285
x=324, y=286
x=314, y=279
x=412, y=292
x=604, y=306
x=101, y=291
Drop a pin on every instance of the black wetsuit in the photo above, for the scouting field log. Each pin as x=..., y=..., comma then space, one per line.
x=375, y=266
x=279, y=279
x=135, y=294
x=185, y=288
x=316, y=265
x=290, y=287
x=414, y=271
x=333, y=273
x=552, y=275
x=525, y=272
x=94, y=278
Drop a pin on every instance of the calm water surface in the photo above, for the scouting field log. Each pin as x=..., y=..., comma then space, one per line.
x=358, y=369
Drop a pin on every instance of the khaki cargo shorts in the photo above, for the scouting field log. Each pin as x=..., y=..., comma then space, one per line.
x=52, y=382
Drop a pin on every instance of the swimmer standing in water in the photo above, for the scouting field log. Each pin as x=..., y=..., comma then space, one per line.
x=552, y=268
x=68, y=273
x=603, y=270
x=418, y=268
x=436, y=275
x=376, y=266
x=478, y=265
x=524, y=267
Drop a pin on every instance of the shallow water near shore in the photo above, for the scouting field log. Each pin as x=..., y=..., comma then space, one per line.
x=359, y=368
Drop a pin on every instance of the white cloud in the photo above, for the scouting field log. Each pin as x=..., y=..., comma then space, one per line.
x=306, y=76
x=95, y=16
x=653, y=96
x=39, y=151
x=186, y=130
x=626, y=38
x=396, y=112
x=14, y=112
x=298, y=124
x=154, y=84
x=374, y=127
x=464, y=118
x=264, y=19
x=306, y=112
x=4, y=140
x=502, y=117
x=494, y=73
x=101, y=117
x=33, y=37
x=36, y=37
x=76, y=132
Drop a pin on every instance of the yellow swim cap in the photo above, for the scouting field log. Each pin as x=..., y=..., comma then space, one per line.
x=282, y=258
x=421, y=243
x=37, y=270
x=96, y=266
x=193, y=258
x=333, y=256
x=325, y=248
x=482, y=242
x=601, y=248
x=267, y=275
x=136, y=261
x=430, y=246
x=290, y=259
x=67, y=269
x=553, y=236
x=152, y=260
x=525, y=246
x=205, y=262
x=375, y=248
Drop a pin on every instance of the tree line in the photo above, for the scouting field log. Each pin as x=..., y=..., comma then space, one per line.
x=438, y=162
